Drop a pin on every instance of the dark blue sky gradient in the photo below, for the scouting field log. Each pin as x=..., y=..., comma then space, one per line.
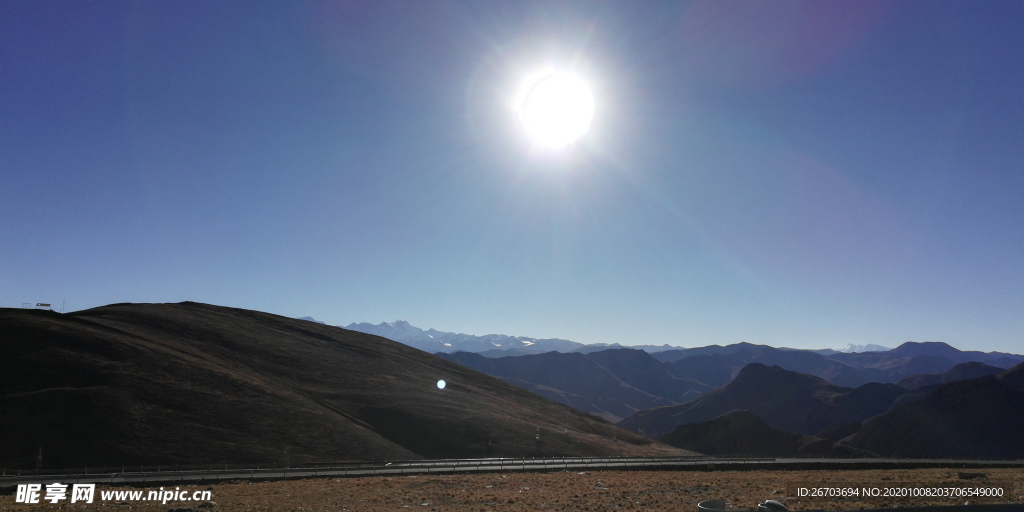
x=807, y=174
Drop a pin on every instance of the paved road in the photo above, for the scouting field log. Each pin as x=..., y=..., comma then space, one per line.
x=449, y=466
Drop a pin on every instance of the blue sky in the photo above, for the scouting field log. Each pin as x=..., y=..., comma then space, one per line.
x=806, y=174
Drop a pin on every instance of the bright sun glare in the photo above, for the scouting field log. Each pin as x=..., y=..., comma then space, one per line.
x=556, y=109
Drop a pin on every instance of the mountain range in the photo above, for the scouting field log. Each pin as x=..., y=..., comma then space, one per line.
x=490, y=345
x=188, y=383
x=786, y=412
x=783, y=399
x=193, y=383
x=974, y=418
x=714, y=365
x=863, y=348
x=432, y=341
x=616, y=383
x=769, y=411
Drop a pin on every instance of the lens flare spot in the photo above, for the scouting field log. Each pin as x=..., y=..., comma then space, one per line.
x=441, y=384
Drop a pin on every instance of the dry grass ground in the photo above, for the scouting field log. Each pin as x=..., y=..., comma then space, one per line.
x=586, y=491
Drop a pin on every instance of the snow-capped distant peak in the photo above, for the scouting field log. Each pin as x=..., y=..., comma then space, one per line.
x=399, y=330
x=428, y=339
x=864, y=348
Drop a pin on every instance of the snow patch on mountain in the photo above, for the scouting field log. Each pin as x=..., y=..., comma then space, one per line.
x=864, y=348
x=432, y=340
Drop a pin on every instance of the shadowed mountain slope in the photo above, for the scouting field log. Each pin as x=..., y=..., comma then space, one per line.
x=838, y=432
x=1013, y=378
x=785, y=400
x=573, y=379
x=638, y=369
x=743, y=433
x=962, y=371
x=976, y=418
x=715, y=370
x=193, y=383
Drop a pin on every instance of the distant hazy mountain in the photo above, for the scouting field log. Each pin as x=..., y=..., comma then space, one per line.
x=975, y=418
x=863, y=348
x=785, y=400
x=491, y=345
x=933, y=351
x=650, y=349
x=431, y=340
x=743, y=433
x=311, y=319
x=716, y=365
x=962, y=371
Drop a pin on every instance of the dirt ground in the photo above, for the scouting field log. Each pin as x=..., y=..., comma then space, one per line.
x=568, y=490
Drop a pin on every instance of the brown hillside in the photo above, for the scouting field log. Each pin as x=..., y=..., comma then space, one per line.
x=194, y=383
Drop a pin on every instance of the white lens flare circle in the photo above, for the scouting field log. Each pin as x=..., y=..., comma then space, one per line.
x=441, y=384
x=556, y=110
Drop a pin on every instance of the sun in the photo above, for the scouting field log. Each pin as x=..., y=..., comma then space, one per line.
x=556, y=109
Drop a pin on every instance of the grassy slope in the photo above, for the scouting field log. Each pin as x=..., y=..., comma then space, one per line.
x=193, y=383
